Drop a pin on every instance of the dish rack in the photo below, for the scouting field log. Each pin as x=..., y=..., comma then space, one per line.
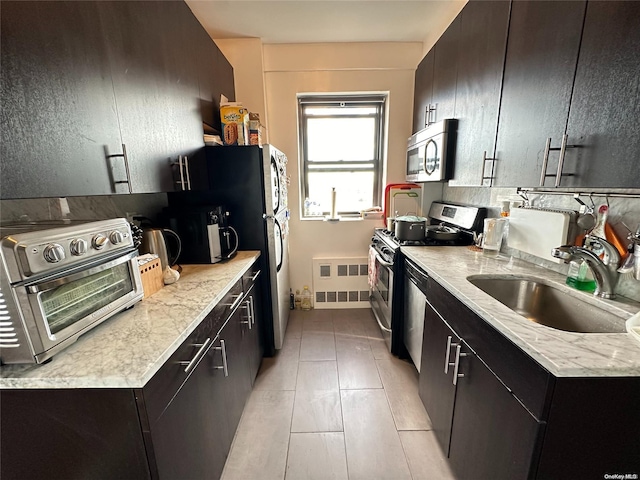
x=151, y=275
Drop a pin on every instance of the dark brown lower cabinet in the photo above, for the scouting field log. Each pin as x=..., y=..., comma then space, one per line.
x=191, y=438
x=180, y=425
x=474, y=416
x=498, y=414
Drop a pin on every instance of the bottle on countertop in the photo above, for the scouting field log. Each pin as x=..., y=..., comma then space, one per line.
x=305, y=296
x=298, y=300
x=580, y=276
x=292, y=301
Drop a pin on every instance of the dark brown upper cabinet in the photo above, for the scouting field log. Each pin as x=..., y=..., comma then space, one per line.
x=58, y=108
x=445, y=70
x=540, y=64
x=80, y=79
x=482, y=44
x=423, y=91
x=156, y=87
x=606, y=100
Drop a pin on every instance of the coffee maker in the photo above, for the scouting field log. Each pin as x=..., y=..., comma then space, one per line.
x=206, y=234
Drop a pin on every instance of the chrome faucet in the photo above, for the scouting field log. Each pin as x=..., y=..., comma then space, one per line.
x=605, y=274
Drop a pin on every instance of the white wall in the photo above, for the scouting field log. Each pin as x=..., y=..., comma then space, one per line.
x=305, y=68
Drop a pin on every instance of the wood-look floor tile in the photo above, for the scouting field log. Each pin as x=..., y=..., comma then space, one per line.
x=317, y=346
x=317, y=325
x=294, y=328
x=322, y=375
x=373, y=446
x=426, y=460
x=261, y=443
x=281, y=371
x=317, y=411
x=400, y=381
x=317, y=456
x=356, y=365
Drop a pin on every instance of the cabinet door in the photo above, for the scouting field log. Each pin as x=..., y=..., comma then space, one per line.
x=156, y=87
x=58, y=109
x=238, y=382
x=436, y=387
x=191, y=438
x=493, y=435
x=542, y=52
x=445, y=70
x=604, y=106
x=254, y=349
x=215, y=77
x=483, y=39
x=423, y=91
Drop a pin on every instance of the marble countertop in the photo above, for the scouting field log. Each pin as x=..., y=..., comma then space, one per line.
x=129, y=348
x=564, y=354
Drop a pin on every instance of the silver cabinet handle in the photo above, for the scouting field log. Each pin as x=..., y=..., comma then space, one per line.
x=456, y=367
x=126, y=167
x=563, y=150
x=448, y=353
x=186, y=169
x=486, y=159
x=181, y=172
x=545, y=161
x=196, y=358
x=253, y=279
x=248, y=321
x=253, y=310
x=235, y=302
x=428, y=110
x=223, y=349
x=268, y=217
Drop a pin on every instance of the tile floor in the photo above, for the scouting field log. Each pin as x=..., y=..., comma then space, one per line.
x=335, y=404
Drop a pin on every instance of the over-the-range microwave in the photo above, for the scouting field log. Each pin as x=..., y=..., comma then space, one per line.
x=430, y=152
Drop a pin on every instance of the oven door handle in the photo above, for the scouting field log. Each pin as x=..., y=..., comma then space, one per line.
x=383, y=262
x=382, y=327
x=44, y=286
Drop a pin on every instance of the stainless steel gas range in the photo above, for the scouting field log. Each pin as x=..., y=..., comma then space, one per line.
x=388, y=289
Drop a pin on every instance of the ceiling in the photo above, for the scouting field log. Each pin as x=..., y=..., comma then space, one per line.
x=312, y=21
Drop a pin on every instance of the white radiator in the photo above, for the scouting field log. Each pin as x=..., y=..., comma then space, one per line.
x=340, y=283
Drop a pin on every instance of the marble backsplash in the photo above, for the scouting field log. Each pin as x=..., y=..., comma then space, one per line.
x=82, y=208
x=623, y=212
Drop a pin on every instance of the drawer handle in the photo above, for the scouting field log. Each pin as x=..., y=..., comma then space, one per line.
x=223, y=350
x=196, y=358
x=236, y=302
x=253, y=279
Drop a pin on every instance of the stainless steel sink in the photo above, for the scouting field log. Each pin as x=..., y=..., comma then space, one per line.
x=547, y=305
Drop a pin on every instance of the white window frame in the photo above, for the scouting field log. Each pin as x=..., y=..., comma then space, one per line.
x=377, y=100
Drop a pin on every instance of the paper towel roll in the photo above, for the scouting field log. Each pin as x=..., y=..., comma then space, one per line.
x=333, y=203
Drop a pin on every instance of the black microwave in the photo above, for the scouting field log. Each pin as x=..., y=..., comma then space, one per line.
x=430, y=153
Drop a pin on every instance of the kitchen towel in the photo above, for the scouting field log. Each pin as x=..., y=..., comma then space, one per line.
x=372, y=276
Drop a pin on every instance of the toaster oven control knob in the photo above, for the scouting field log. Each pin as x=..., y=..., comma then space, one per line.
x=53, y=253
x=116, y=237
x=99, y=241
x=78, y=247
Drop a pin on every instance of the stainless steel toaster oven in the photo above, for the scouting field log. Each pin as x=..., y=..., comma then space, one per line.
x=58, y=283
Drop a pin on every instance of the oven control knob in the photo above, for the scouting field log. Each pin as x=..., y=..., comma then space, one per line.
x=99, y=241
x=78, y=247
x=116, y=237
x=53, y=253
x=375, y=239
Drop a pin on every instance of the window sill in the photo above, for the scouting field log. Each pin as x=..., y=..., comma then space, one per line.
x=333, y=220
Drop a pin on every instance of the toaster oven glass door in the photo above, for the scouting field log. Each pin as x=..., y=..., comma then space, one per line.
x=66, y=305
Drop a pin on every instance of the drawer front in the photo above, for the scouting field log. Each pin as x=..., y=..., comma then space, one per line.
x=164, y=385
x=527, y=380
x=250, y=276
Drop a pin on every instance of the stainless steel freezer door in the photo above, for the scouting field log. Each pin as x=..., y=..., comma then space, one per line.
x=278, y=245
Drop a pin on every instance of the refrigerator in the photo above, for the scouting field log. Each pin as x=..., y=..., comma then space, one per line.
x=251, y=182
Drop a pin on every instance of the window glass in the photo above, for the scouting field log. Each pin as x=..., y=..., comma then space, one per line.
x=341, y=144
